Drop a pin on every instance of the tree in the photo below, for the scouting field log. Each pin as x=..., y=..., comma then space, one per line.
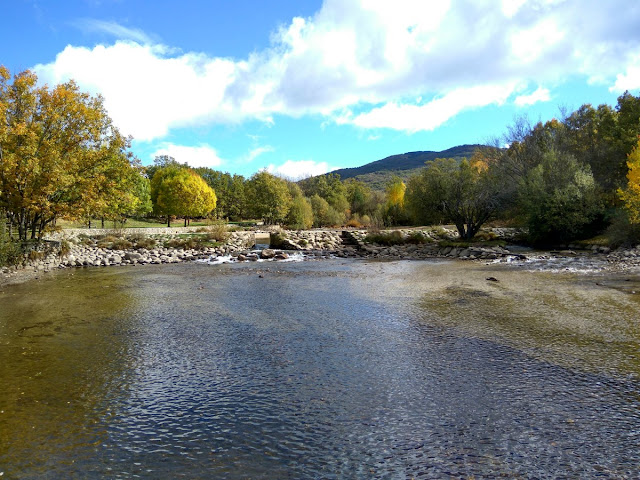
x=466, y=195
x=268, y=197
x=560, y=199
x=395, y=192
x=229, y=190
x=60, y=155
x=358, y=196
x=127, y=194
x=328, y=187
x=181, y=192
x=419, y=202
x=300, y=216
x=631, y=194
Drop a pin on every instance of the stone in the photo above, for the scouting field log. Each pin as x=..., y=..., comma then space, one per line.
x=267, y=253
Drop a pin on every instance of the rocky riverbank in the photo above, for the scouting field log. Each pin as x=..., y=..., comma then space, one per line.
x=78, y=249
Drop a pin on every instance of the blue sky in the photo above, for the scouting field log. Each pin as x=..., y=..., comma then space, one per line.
x=302, y=87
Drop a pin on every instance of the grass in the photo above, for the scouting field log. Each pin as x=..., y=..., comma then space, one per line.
x=599, y=240
x=192, y=242
x=132, y=223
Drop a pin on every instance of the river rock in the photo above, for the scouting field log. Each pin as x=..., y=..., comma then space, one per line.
x=267, y=253
x=132, y=256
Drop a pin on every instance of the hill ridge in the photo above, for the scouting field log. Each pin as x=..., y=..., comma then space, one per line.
x=403, y=162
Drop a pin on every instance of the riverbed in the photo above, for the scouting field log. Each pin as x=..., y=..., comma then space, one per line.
x=321, y=369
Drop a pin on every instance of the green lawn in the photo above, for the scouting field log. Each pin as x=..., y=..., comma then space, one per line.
x=133, y=223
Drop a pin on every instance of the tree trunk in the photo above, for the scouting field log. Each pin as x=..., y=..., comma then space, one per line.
x=102, y=222
x=168, y=220
x=185, y=221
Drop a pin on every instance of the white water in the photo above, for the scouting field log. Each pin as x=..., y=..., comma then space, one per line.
x=219, y=260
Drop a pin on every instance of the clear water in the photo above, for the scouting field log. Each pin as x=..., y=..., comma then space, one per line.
x=327, y=369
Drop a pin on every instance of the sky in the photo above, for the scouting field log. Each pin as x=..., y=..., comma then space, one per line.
x=302, y=87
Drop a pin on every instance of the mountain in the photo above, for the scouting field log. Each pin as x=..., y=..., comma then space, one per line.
x=378, y=173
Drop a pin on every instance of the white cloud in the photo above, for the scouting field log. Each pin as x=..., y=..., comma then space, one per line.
x=297, y=169
x=200, y=156
x=147, y=92
x=540, y=95
x=511, y=7
x=414, y=118
x=357, y=55
x=120, y=32
x=256, y=152
x=630, y=79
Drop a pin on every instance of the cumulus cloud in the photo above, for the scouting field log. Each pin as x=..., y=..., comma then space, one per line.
x=297, y=169
x=540, y=95
x=413, y=118
x=200, y=156
x=365, y=58
x=630, y=79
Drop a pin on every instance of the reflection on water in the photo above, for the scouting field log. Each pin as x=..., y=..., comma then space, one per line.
x=332, y=369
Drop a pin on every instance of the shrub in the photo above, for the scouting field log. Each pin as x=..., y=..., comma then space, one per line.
x=35, y=255
x=218, y=232
x=10, y=251
x=106, y=241
x=354, y=222
x=440, y=232
x=622, y=232
x=418, y=238
x=121, y=244
x=385, y=238
x=486, y=236
x=65, y=248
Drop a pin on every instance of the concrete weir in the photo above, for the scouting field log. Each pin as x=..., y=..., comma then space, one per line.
x=262, y=238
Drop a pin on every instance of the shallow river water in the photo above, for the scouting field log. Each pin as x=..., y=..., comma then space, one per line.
x=320, y=369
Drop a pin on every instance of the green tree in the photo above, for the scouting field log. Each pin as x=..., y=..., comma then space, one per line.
x=560, y=199
x=358, y=196
x=300, y=216
x=60, y=155
x=461, y=193
x=268, y=197
x=330, y=188
x=229, y=190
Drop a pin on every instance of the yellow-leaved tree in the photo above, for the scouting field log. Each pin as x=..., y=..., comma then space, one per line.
x=180, y=191
x=60, y=155
x=631, y=194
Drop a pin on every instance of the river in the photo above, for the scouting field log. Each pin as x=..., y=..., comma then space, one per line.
x=321, y=369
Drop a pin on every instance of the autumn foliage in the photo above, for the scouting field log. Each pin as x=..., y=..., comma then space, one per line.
x=60, y=156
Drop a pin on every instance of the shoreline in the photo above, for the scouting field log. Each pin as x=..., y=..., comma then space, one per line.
x=85, y=252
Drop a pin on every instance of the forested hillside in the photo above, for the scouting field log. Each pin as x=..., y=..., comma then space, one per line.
x=377, y=174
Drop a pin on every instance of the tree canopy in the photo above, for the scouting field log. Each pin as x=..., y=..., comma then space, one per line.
x=268, y=197
x=60, y=155
x=181, y=192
